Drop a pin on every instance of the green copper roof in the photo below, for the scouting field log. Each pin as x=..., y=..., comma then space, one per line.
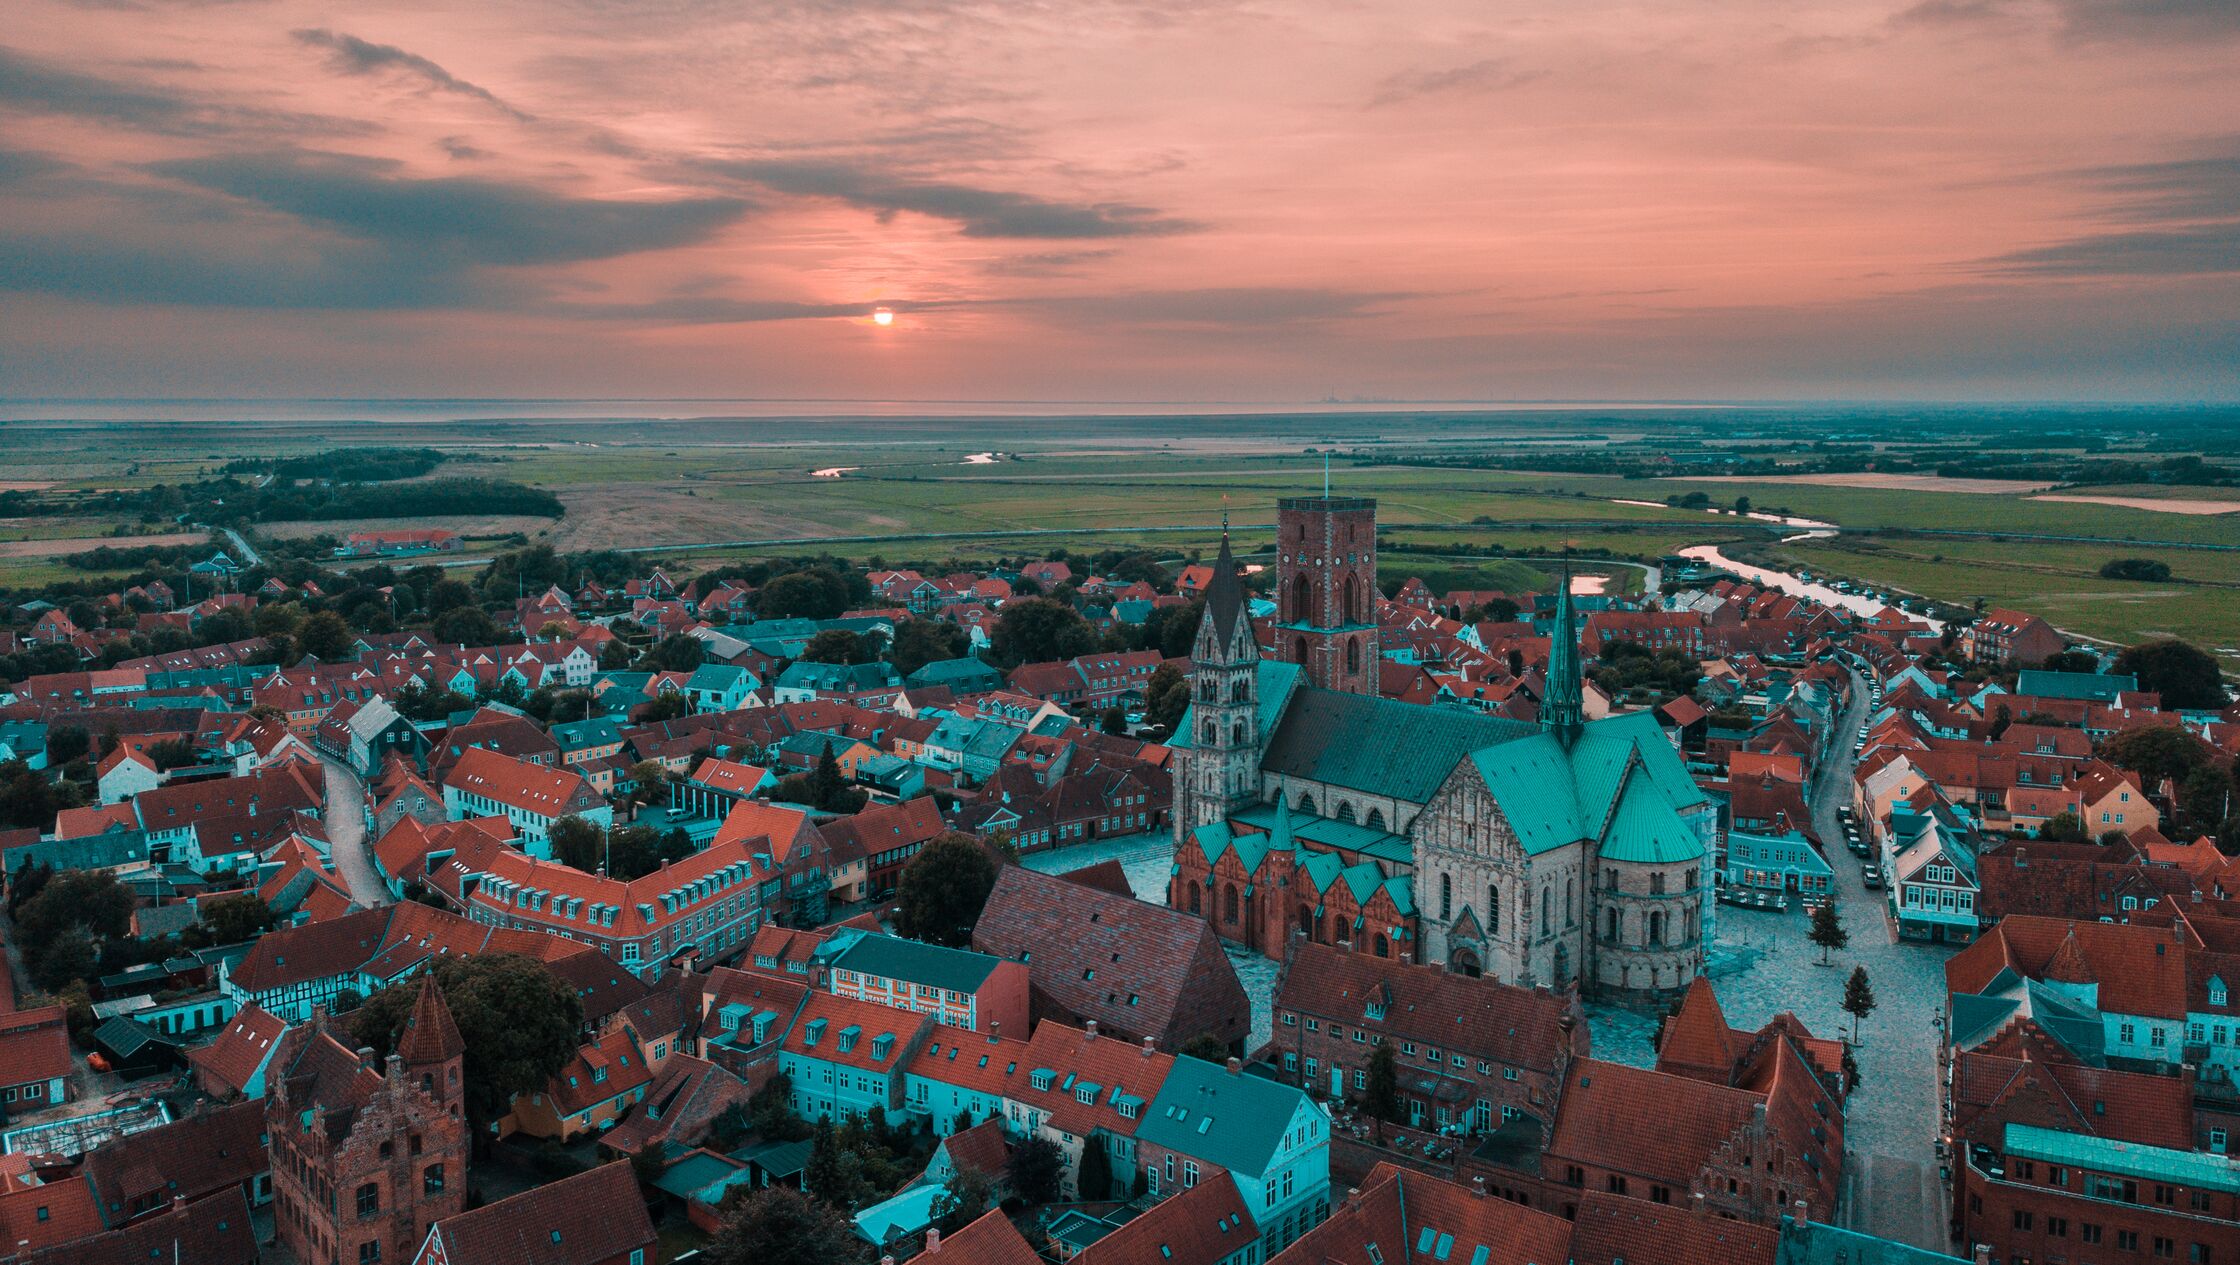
x=1531, y=780
x=2197, y=1169
x=1379, y=746
x=1645, y=829
x=1321, y=869
x=1329, y=833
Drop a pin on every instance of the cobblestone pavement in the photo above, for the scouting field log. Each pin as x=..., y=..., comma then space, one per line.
x=345, y=820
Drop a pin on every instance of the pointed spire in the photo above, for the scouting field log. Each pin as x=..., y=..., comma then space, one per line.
x=1563, y=711
x=1279, y=839
x=430, y=1035
x=1224, y=593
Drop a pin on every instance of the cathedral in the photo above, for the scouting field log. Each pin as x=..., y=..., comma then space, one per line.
x=1567, y=854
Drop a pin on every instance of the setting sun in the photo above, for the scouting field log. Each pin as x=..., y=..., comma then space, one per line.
x=884, y=316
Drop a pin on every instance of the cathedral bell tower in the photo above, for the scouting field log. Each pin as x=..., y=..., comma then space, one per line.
x=1224, y=760
x=1326, y=594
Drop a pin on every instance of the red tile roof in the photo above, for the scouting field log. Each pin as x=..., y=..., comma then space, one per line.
x=1202, y=1225
x=991, y=1240
x=1397, y=1210
x=34, y=1046
x=241, y=1047
x=590, y=1218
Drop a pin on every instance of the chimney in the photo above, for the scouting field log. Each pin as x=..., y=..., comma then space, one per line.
x=1407, y=958
x=1983, y=1254
x=995, y=1031
x=365, y=1055
x=1478, y=1186
x=933, y=1239
x=1089, y=1031
x=1695, y=1204
x=1147, y=1050
x=178, y=1203
x=1236, y=1065
x=1804, y=1214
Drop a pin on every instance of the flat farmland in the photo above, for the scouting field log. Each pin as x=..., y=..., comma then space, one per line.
x=2061, y=583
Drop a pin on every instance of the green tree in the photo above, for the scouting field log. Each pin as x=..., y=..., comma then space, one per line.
x=576, y=843
x=70, y=955
x=777, y=1225
x=650, y=780
x=2063, y=827
x=2072, y=661
x=2149, y=570
x=1095, y=1178
x=677, y=653
x=918, y=642
x=1166, y=696
x=969, y=1194
x=837, y=645
x=816, y=593
x=1114, y=721
x=233, y=919
x=1037, y=1170
x=1206, y=1046
x=2157, y=753
x=448, y=595
x=1038, y=629
x=326, y=637
x=1858, y=999
x=465, y=626
x=91, y=899
x=1381, y=1099
x=2183, y=674
x=943, y=889
x=1827, y=930
x=518, y=1019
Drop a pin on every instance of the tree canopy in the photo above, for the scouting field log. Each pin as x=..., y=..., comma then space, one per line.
x=518, y=1019
x=778, y=1225
x=1039, y=629
x=2185, y=675
x=943, y=890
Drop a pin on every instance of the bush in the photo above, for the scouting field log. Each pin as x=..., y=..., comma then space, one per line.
x=2146, y=569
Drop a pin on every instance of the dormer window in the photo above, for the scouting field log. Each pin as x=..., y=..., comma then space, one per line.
x=2217, y=994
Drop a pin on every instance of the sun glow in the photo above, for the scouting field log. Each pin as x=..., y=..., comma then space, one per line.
x=883, y=316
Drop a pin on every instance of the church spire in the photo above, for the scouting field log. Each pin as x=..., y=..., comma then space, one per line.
x=1563, y=710
x=1224, y=592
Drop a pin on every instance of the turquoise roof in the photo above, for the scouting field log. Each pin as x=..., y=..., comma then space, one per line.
x=1228, y=1118
x=1552, y=796
x=2198, y=1169
x=1380, y=746
x=1321, y=869
x=1330, y=832
x=1645, y=829
x=905, y=1213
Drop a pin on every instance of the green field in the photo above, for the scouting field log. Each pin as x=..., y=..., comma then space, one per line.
x=1089, y=484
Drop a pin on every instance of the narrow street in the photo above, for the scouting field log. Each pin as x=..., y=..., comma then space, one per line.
x=346, y=835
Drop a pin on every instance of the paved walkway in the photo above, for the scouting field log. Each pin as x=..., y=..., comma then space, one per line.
x=346, y=835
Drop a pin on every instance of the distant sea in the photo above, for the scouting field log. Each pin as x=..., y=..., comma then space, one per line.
x=696, y=409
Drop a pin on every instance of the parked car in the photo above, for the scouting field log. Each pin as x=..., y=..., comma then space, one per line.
x=1871, y=875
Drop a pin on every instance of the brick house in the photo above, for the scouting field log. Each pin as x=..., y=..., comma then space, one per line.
x=363, y=1156
x=1139, y=971
x=1469, y=1050
x=2012, y=637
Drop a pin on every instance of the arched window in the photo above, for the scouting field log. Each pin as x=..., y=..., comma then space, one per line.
x=1656, y=883
x=1213, y=733
x=1306, y=802
x=1345, y=810
x=1384, y=949
x=1375, y=819
x=1353, y=654
x=1493, y=910
x=1299, y=591
x=1656, y=928
x=1353, y=598
x=1547, y=913
x=1236, y=733
x=1298, y=650
x=1570, y=902
x=1229, y=903
x=1194, y=898
x=1446, y=897
x=1237, y=691
x=1616, y=926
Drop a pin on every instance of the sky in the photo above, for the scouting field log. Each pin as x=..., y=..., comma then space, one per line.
x=1214, y=200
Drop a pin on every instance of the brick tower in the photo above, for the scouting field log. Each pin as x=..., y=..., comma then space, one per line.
x=366, y=1158
x=1326, y=596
